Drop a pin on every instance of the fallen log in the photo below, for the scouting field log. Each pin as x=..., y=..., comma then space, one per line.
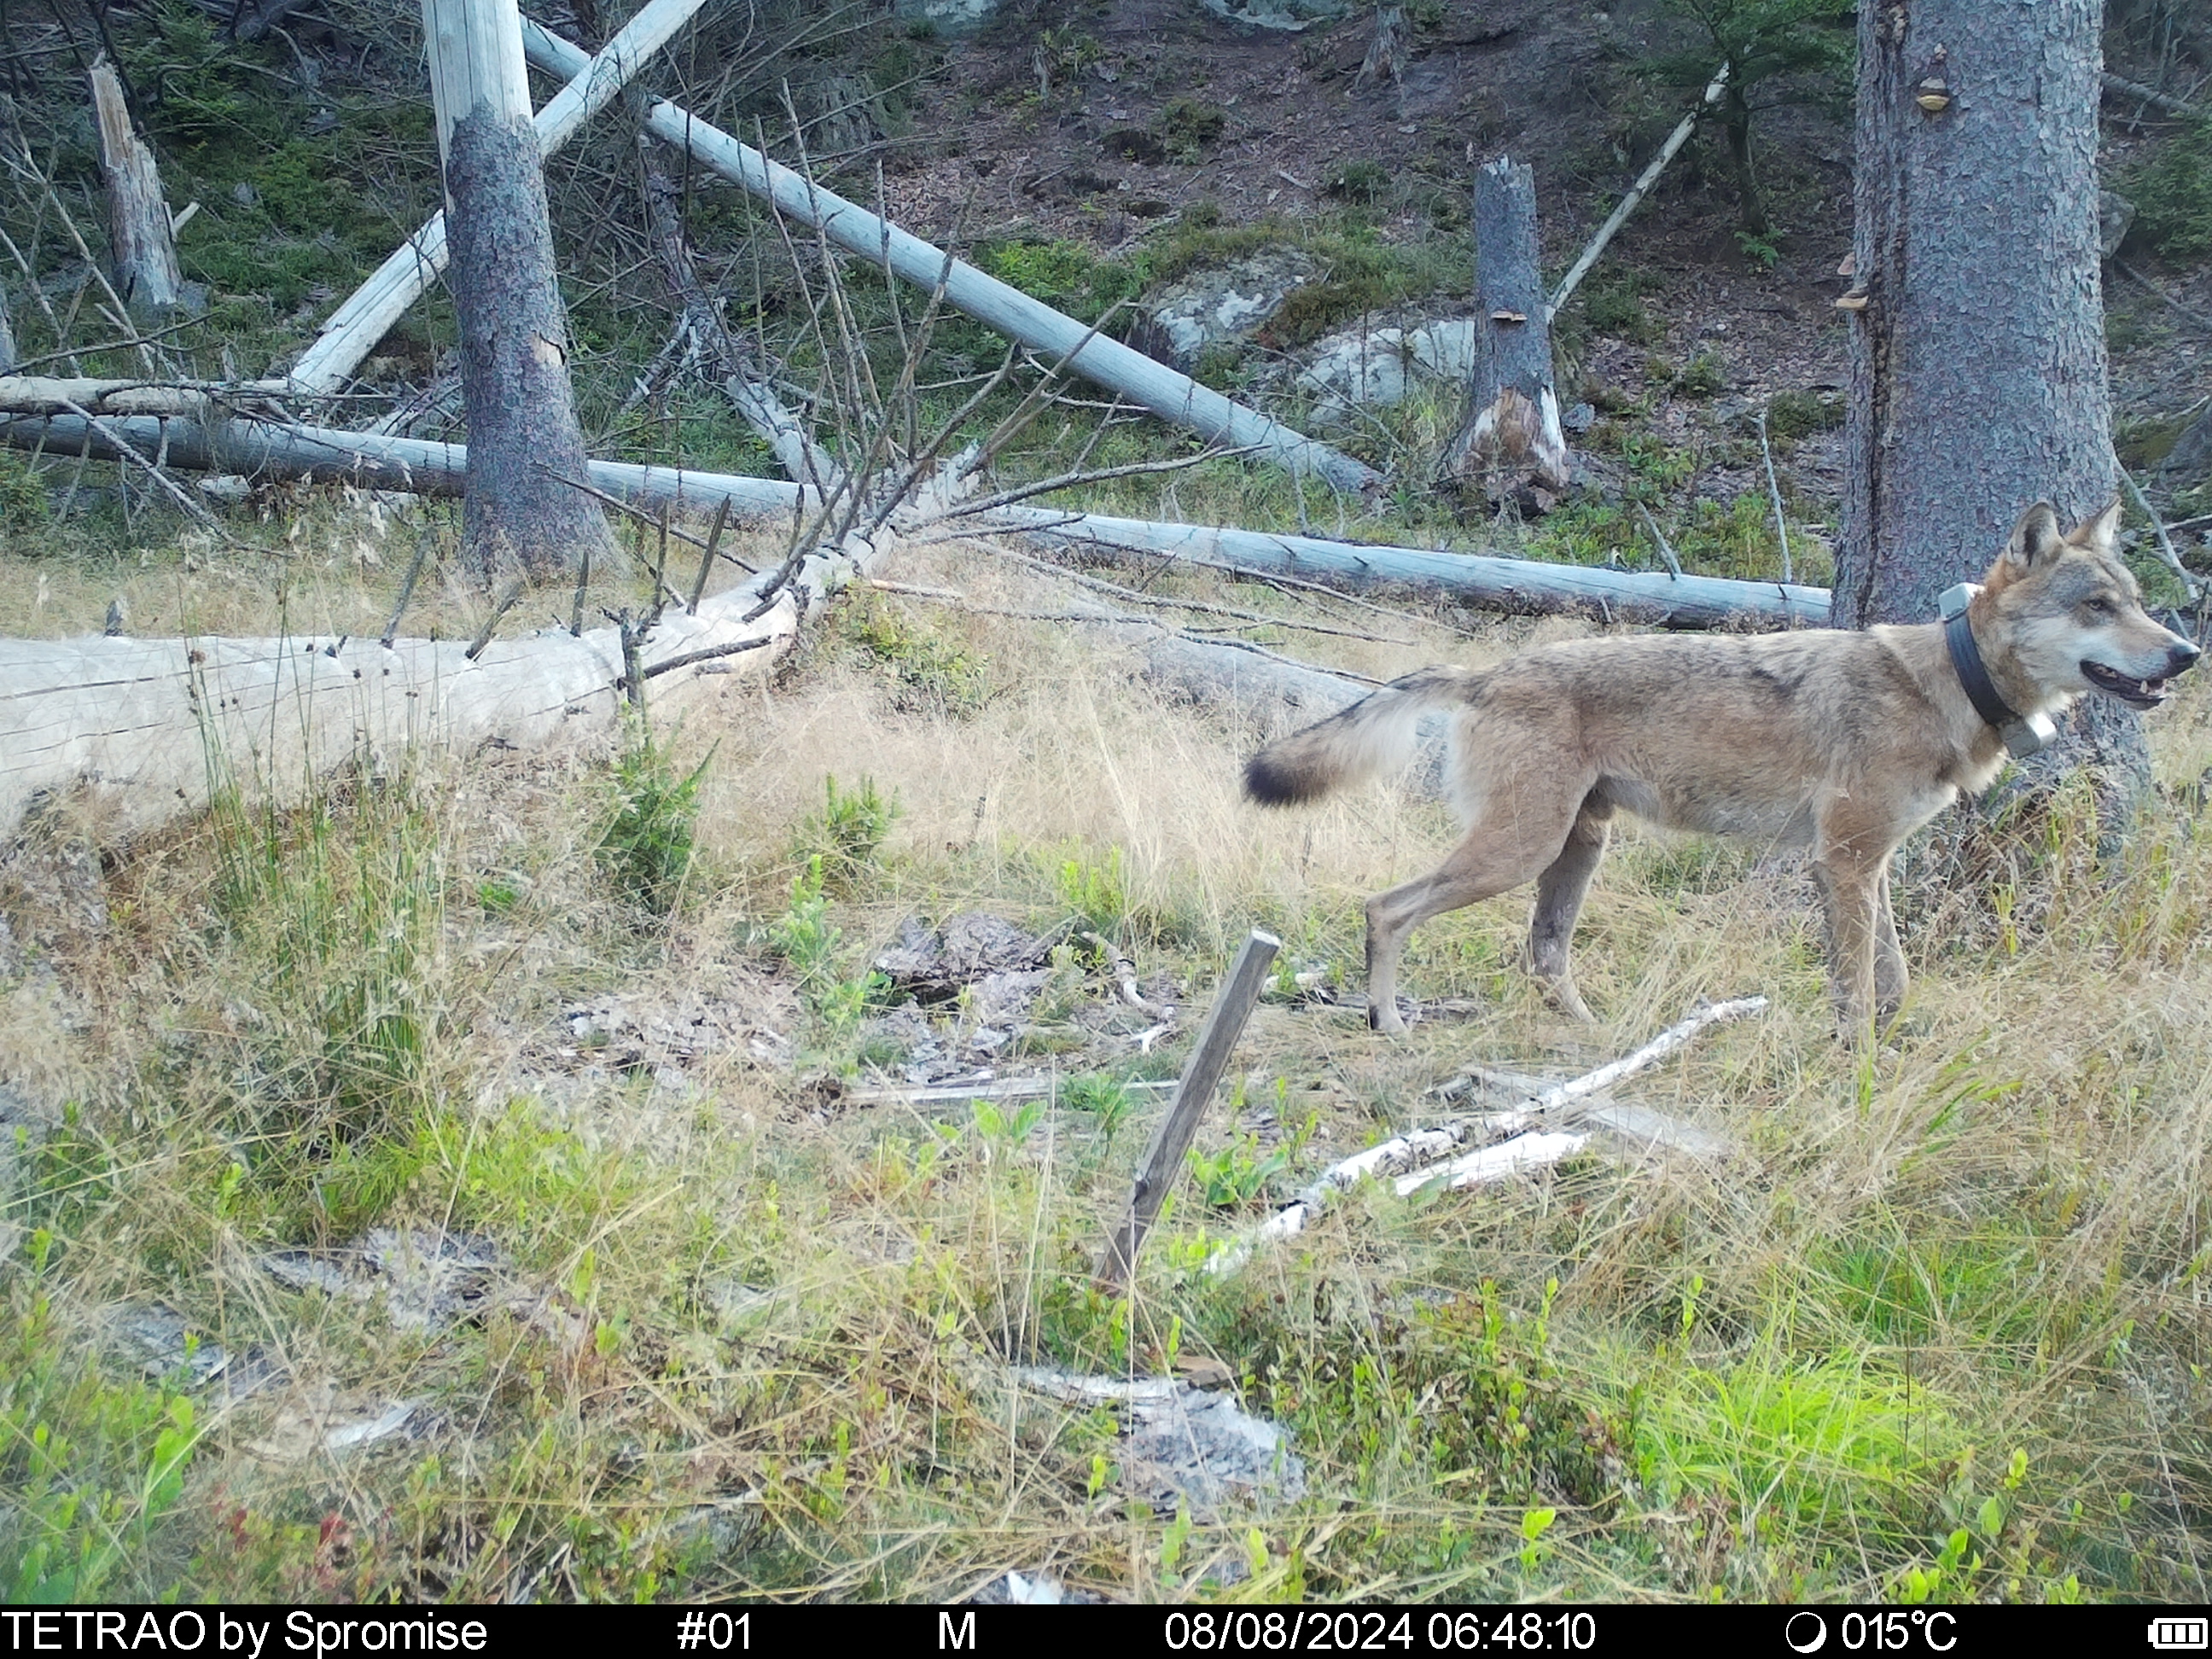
x=1174, y=397
x=351, y=331
x=1516, y=586
x=278, y=449
x=156, y=726
x=2143, y=94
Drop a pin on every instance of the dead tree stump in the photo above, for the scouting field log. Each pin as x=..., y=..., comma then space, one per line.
x=1510, y=446
x=523, y=435
x=146, y=273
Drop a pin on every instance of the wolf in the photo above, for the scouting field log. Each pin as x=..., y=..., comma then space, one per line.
x=1841, y=742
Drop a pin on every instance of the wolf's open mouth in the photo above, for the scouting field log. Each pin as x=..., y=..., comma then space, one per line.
x=2143, y=694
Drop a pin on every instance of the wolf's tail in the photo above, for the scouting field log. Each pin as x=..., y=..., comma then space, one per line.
x=1374, y=736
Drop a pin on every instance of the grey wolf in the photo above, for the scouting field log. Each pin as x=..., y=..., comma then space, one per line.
x=1841, y=742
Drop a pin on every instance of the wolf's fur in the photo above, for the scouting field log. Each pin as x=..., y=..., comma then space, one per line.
x=1843, y=741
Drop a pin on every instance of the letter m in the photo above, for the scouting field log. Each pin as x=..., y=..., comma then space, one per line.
x=962, y=1635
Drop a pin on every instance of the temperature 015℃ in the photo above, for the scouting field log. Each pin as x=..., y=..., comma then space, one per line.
x=1890, y=1631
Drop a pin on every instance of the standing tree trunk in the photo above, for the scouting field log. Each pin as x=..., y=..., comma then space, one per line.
x=514, y=329
x=7, y=352
x=146, y=273
x=1735, y=123
x=1510, y=445
x=1977, y=358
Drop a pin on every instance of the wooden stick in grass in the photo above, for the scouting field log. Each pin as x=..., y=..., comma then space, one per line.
x=1163, y=1158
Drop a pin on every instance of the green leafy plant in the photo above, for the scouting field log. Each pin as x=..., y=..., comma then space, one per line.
x=647, y=844
x=845, y=837
x=1096, y=891
x=1238, y=1173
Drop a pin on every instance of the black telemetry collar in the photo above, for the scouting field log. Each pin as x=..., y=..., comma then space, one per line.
x=2023, y=734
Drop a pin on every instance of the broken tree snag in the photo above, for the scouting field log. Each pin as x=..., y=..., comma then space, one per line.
x=1174, y=397
x=1209, y=1058
x=514, y=327
x=1510, y=446
x=146, y=271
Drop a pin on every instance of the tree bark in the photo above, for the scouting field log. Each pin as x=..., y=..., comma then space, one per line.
x=146, y=273
x=1510, y=445
x=7, y=351
x=514, y=327
x=1977, y=360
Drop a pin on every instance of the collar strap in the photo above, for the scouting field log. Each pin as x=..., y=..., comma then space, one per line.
x=2023, y=734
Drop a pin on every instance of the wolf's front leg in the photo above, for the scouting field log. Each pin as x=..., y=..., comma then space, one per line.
x=1851, y=895
x=1890, y=977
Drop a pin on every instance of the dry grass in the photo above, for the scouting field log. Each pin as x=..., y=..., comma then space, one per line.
x=756, y=1338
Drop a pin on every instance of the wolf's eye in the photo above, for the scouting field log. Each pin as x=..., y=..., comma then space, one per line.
x=2102, y=608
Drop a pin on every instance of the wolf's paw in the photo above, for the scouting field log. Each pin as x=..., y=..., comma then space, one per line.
x=1563, y=996
x=1385, y=1018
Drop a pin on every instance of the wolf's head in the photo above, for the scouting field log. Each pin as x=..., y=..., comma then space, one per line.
x=2063, y=613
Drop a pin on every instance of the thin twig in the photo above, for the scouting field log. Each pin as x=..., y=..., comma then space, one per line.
x=1774, y=489
x=174, y=490
x=707, y=563
x=706, y=654
x=501, y=606
x=1666, y=553
x=407, y=587
x=2167, y=556
x=1204, y=607
x=583, y=582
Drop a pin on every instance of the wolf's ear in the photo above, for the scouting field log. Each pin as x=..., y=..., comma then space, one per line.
x=2100, y=534
x=2034, y=538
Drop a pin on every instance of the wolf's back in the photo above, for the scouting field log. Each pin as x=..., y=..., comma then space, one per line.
x=1374, y=736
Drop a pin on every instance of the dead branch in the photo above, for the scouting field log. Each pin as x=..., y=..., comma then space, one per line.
x=1411, y=1157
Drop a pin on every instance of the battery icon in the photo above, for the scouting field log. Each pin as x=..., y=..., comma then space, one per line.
x=2180, y=1633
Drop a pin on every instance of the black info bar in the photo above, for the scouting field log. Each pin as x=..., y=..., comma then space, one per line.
x=768, y=1626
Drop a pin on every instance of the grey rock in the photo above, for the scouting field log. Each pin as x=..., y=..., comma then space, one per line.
x=1373, y=366
x=947, y=16
x=1284, y=16
x=1225, y=305
x=1207, y=1448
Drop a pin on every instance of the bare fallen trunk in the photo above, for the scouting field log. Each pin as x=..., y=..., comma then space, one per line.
x=1517, y=586
x=137, y=213
x=154, y=726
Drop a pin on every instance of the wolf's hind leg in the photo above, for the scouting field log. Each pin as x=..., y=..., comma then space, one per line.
x=1560, y=894
x=1514, y=841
